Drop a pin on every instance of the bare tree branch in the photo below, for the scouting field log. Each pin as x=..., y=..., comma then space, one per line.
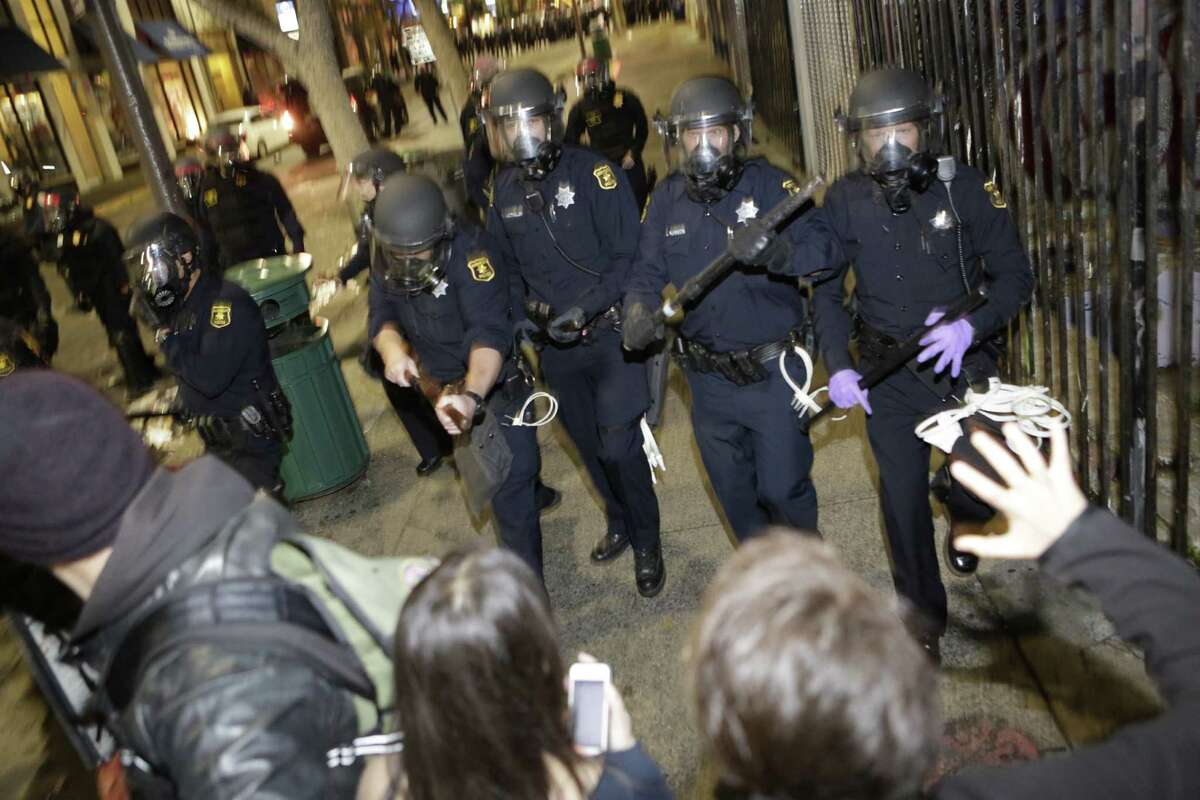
x=255, y=26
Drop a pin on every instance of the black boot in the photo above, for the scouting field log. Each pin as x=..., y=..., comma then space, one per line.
x=960, y=563
x=649, y=570
x=547, y=498
x=610, y=546
x=428, y=466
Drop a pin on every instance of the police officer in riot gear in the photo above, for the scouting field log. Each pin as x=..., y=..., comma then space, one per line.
x=439, y=317
x=567, y=222
x=214, y=340
x=478, y=164
x=920, y=231
x=364, y=178
x=244, y=208
x=757, y=457
x=88, y=253
x=614, y=121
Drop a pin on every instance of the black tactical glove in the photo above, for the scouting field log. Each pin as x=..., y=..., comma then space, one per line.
x=566, y=327
x=758, y=246
x=641, y=327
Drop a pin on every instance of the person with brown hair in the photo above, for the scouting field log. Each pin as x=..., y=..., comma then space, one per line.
x=811, y=689
x=480, y=687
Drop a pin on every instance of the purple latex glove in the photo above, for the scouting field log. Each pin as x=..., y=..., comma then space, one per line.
x=949, y=342
x=845, y=392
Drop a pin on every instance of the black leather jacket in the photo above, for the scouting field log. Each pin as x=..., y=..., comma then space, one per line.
x=227, y=719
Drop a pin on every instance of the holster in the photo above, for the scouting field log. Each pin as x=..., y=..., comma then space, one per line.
x=741, y=367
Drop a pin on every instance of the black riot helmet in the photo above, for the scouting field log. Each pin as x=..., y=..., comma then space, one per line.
x=367, y=172
x=61, y=213
x=523, y=112
x=162, y=252
x=412, y=234
x=188, y=172
x=225, y=149
x=894, y=132
x=592, y=78
x=706, y=134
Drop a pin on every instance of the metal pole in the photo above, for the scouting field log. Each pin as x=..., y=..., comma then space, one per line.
x=127, y=80
x=1189, y=50
x=579, y=29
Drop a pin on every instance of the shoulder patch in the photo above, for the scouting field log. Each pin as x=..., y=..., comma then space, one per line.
x=994, y=194
x=239, y=179
x=593, y=118
x=481, y=268
x=210, y=197
x=790, y=187
x=7, y=367
x=605, y=177
x=221, y=315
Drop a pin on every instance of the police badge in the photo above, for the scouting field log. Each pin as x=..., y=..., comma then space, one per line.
x=221, y=315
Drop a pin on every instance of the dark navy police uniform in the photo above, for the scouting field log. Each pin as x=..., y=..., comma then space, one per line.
x=906, y=266
x=245, y=210
x=218, y=350
x=415, y=414
x=615, y=125
x=756, y=455
x=588, y=213
x=467, y=309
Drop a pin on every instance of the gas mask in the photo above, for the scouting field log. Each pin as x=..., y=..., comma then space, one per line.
x=162, y=279
x=528, y=143
x=710, y=166
x=401, y=271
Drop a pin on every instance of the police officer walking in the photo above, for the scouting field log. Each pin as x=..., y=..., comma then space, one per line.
x=243, y=207
x=88, y=252
x=920, y=232
x=478, y=164
x=614, y=122
x=30, y=334
x=757, y=457
x=566, y=220
x=439, y=317
x=364, y=177
x=214, y=340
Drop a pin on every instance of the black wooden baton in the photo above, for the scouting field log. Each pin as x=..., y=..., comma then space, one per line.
x=906, y=350
x=672, y=307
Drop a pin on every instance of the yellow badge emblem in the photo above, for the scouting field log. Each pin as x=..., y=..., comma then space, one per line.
x=239, y=179
x=790, y=187
x=76, y=238
x=6, y=365
x=994, y=194
x=210, y=197
x=481, y=269
x=618, y=99
x=221, y=316
x=604, y=176
x=593, y=118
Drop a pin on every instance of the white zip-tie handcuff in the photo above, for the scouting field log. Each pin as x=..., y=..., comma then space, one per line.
x=1031, y=407
x=518, y=421
x=378, y=745
x=654, y=456
x=802, y=402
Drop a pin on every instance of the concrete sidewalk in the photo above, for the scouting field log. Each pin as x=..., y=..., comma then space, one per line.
x=1029, y=668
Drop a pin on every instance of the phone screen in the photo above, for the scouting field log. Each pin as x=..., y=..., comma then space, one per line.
x=588, y=713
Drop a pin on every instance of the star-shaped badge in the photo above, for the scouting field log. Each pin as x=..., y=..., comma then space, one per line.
x=565, y=196
x=440, y=289
x=747, y=211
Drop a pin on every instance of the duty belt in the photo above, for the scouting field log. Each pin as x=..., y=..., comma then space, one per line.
x=874, y=346
x=742, y=367
x=541, y=314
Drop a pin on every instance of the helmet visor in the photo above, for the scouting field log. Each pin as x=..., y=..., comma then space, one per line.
x=407, y=269
x=887, y=148
x=697, y=151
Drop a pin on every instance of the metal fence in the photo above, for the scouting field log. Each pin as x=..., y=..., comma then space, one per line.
x=772, y=76
x=1084, y=112
x=826, y=67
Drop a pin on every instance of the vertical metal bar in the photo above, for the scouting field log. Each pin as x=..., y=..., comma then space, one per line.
x=1060, y=262
x=1127, y=159
x=1102, y=252
x=1189, y=50
x=987, y=161
x=950, y=75
x=1074, y=135
x=1037, y=207
x=925, y=43
x=1147, y=403
x=966, y=92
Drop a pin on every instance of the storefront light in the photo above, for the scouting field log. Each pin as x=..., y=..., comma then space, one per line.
x=192, y=126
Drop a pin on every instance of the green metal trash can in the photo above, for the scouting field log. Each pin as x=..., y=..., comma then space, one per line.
x=328, y=450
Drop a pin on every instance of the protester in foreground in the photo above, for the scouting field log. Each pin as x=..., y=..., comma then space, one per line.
x=811, y=689
x=480, y=685
x=199, y=718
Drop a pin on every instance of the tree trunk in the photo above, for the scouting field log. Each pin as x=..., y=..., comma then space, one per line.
x=313, y=60
x=451, y=71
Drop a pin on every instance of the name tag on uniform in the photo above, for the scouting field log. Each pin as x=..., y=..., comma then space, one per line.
x=512, y=212
x=677, y=230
